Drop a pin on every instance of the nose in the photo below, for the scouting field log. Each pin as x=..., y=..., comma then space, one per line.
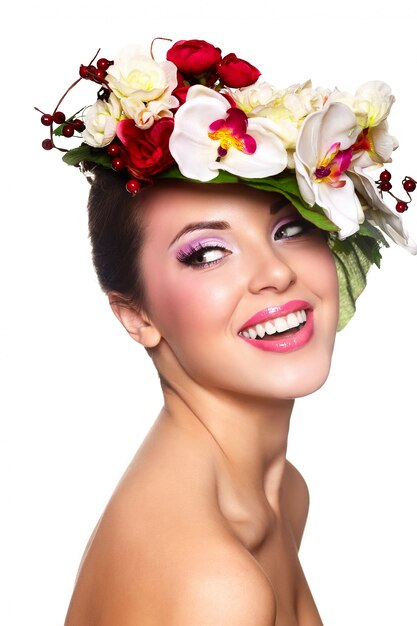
x=270, y=271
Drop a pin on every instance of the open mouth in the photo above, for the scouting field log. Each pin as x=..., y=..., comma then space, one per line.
x=276, y=328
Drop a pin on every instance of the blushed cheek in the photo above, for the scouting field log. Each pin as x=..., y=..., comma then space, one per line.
x=185, y=305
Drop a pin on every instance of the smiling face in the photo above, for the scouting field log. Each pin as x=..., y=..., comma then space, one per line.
x=224, y=268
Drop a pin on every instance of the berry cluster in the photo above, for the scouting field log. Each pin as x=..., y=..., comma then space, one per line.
x=96, y=73
x=409, y=185
x=67, y=127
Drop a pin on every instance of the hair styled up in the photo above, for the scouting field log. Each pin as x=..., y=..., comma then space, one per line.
x=116, y=234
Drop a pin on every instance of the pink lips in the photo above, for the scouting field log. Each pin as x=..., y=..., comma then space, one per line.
x=283, y=344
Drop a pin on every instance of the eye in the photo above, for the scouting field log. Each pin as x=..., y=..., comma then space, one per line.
x=292, y=229
x=202, y=255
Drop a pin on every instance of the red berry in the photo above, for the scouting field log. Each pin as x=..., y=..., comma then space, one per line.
x=47, y=144
x=114, y=150
x=401, y=206
x=100, y=74
x=83, y=71
x=68, y=130
x=103, y=64
x=133, y=186
x=118, y=164
x=47, y=119
x=78, y=125
x=409, y=184
x=59, y=117
x=385, y=186
x=385, y=175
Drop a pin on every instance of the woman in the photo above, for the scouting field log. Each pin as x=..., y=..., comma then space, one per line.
x=233, y=288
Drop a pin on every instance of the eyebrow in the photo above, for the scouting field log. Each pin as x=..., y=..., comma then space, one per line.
x=276, y=206
x=189, y=228
x=279, y=204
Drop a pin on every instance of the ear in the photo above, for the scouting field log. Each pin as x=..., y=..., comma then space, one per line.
x=135, y=321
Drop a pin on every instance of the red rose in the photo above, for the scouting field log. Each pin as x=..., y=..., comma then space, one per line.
x=234, y=72
x=194, y=56
x=181, y=93
x=181, y=89
x=147, y=151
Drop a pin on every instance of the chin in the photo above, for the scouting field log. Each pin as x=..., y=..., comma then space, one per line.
x=296, y=387
x=293, y=378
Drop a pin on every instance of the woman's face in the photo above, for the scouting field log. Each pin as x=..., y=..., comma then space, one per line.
x=221, y=261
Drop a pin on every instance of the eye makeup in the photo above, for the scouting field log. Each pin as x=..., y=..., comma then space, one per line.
x=290, y=227
x=202, y=252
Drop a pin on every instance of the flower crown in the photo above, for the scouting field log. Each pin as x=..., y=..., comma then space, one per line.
x=202, y=116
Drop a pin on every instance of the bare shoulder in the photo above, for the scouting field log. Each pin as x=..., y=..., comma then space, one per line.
x=296, y=498
x=162, y=555
x=229, y=590
x=203, y=579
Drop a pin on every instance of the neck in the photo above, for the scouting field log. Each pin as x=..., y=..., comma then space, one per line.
x=246, y=438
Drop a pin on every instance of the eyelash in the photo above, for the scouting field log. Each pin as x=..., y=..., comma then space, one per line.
x=198, y=249
x=191, y=256
x=306, y=227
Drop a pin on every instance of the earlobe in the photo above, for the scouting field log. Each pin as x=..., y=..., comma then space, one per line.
x=135, y=321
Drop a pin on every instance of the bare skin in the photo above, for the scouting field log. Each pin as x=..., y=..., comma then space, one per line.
x=165, y=521
x=204, y=527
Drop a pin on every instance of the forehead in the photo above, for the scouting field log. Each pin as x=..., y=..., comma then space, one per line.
x=176, y=202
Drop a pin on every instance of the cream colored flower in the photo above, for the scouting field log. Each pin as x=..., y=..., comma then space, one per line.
x=374, y=99
x=145, y=114
x=134, y=72
x=257, y=95
x=286, y=108
x=101, y=121
x=143, y=86
x=371, y=105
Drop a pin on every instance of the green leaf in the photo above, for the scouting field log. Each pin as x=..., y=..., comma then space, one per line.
x=84, y=152
x=369, y=230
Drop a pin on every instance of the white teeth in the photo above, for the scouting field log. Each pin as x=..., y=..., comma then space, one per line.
x=270, y=328
x=279, y=324
x=292, y=320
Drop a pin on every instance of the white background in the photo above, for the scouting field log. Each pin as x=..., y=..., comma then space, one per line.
x=78, y=395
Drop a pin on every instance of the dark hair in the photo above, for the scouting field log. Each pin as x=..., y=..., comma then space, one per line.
x=116, y=235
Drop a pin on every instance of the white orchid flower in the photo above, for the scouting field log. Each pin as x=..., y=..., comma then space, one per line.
x=210, y=135
x=374, y=146
x=323, y=154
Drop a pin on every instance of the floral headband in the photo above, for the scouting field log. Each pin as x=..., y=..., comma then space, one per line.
x=205, y=117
